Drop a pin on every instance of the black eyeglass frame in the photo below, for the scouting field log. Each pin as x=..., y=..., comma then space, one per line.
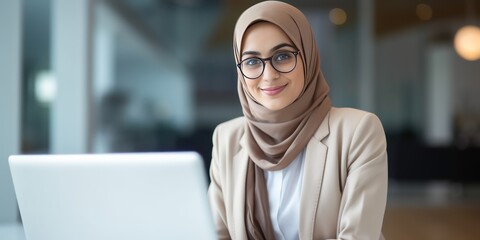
x=295, y=53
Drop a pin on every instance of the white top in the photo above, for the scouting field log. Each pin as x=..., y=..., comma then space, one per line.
x=284, y=189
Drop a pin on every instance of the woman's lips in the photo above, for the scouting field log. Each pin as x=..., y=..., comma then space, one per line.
x=271, y=91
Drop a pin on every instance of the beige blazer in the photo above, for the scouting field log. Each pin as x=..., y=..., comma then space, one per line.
x=344, y=189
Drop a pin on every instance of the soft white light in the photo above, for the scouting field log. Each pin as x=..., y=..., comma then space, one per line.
x=467, y=42
x=45, y=87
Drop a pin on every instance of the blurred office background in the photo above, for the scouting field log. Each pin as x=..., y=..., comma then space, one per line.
x=84, y=76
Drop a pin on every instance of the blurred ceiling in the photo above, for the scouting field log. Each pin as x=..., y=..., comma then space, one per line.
x=148, y=11
x=390, y=15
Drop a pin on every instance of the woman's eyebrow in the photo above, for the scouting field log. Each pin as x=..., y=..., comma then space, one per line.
x=281, y=45
x=250, y=53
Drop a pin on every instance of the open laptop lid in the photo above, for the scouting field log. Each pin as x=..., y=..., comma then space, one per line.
x=113, y=196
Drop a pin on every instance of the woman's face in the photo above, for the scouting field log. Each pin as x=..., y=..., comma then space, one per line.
x=273, y=89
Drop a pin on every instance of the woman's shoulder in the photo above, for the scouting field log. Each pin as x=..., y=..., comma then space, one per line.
x=235, y=123
x=231, y=128
x=349, y=117
x=348, y=112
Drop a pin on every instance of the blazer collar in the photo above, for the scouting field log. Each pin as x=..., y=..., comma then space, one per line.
x=324, y=128
x=313, y=170
x=240, y=162
x=315, y=158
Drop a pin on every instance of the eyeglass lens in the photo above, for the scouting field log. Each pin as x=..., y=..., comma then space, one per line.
x=283, y=62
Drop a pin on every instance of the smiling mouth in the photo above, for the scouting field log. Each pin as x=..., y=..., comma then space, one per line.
x=271, y=91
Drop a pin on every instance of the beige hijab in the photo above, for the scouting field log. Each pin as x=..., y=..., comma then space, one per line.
x=276, y=138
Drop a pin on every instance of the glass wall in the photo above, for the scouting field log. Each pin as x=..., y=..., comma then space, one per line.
x=162, y=76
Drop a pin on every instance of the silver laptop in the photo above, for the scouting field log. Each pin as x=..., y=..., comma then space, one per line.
x=113, y=196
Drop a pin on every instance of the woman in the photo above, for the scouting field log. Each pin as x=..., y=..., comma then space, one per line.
x=293, y=167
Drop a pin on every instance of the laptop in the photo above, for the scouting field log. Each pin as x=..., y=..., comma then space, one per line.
x=113, y=196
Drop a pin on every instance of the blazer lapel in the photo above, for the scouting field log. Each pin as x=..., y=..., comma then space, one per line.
x=315, y=158
x=240, y=162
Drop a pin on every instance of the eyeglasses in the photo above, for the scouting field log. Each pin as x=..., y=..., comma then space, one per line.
x=283, y=62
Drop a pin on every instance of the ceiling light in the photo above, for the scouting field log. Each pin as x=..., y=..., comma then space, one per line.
x=467, y=42
x=424, y=12
x=338, y=16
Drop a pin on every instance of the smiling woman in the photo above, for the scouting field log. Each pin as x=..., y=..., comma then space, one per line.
x=293, y=167
x=278, y=84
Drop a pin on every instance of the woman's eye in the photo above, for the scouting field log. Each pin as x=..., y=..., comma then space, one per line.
x=253, y=62
x=282, y=57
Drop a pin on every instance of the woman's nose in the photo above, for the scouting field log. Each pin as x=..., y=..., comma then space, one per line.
x=269, y=73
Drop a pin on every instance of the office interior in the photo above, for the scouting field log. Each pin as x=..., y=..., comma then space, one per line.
x=99, y=76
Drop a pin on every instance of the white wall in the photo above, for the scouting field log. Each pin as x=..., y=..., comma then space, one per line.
x=71, y=64
x=10, y=62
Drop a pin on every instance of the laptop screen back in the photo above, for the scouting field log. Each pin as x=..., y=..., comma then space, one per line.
x=113, y=196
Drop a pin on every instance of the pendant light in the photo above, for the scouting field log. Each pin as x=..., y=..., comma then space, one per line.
x=467, y=38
